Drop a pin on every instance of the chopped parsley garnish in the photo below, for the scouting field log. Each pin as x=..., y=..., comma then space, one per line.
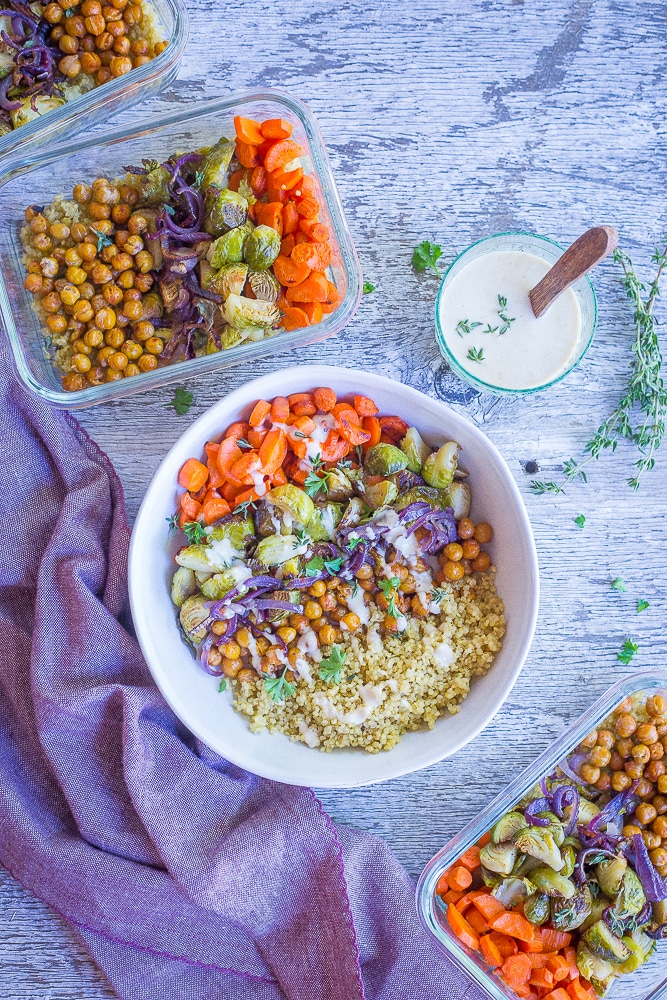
x=315, y=566
x=317, y=462
x=314, y=484
x=475, y=355
x=331, y=668
x=628, y=650
x=580, y=521
x=426, y=256
x=299, y=434
x=199, y=177
x=642, y=605
x=194, y=532
x=102, y=239
x=368, y=287
x=223, y=685
x=169, y=209
x=619, y=585
x=182, y=401
x=391, y=583
x=279, y=688
x=353, y=541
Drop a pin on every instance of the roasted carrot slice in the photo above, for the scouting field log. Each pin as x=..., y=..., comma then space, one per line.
x=305, y=425
x=184, y=518
x=506, y=945
x=287, y=244
x=193, y=475
x=256, y=436
x=555, y=940
x=443, y=885
x=395, y=427
x=288, y=272
x=477, y=921
x=313, y=289
x=304, y=410
x=214, y=509
x=276, y=128
x=244, y=468
x=290, y=220
x=235, y=179
x=294, y=318
x=285, y=180
x=316, y=256
x=246, y=496
x=365, y=407
x=541, y=978
x=309, y=208
x=280, y=153
x=247, y=155
x=313, y=311
x=558, y=994
x=271, y=215
x=314, y=230
x=248, y=131
x=559, y=968
x=190, y=506
x=517, y=969
x=462, y=928
x=490, y=951
x=459, y=877
x=325, y=399
x=258, y=181
x=578, y=989
x=273, y=451
x=488, y=905
x=513, y=924
x=238, y=430
x=306, y=189
x=372, y=426
x=280, y=409
x=260, y=412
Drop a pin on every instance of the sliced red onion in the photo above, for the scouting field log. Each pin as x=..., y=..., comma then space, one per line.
x=613, y=809
x=299, y=582
x=537, y=805
x=269, y=604
x=583, y=858
x=564, y=796
x=570, y=767
x=202, y=654
x=654, y=885
x=5, y=102
x=656, y=933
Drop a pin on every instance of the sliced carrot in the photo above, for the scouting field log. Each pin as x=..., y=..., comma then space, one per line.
x=287, y=243
x=190, y=506
x=506, y=945
x=489, y=906
x=260, y=412
x=459, y=877
x=534, y=945
x=280, y=153
x=282, y=302
x=467, y=901
x=184, y=518
x=304, y=409
x=372, y=426
x=540, y=960
x=238, y=430
x=333, y=298
x=256, y=436
x=557, y=994
x=290, y=219
x=555, y=940
x=279, y=478
x=521, y=990
x=258, y=181
x=270, y=214
x=246, y=496
x=288, y=272
x=306, y=189
x=243, y=469
x=316, y=231
x=235, y=179
x=275, y=193
x=214, y=509
x=215, y=479
x=273, y=451
x=365, y=407
x=517, y=969
x=305, y=425
x=484, y=839
x=294, y=318
x=442, y=885
x=309, y=208
x=570, y=955
x=285, y=180
x=247, y=155
x=313, y=311
x=300, y=237
x=316, y=256
x=490, y=951
x=313, y=289
x=541, y=978
x=324, y=398
x=579, y=989
x=299, y=448
x=248, y=131
x=476, y=920
x=462, y=928
x=280, y=409
x=512, y=924
x=559, y=967
x=276, y=128
x=347, y=412
x=193, y=475
x=300, y=397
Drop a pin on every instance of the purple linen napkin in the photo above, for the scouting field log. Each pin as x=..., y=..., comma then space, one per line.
x=184, y=876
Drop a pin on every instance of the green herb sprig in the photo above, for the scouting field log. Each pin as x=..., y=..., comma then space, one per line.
x=628, y=650
x=331, y=668
x=368, y=287
x=475, y=354
x=619, y=585
x=580, y=520
x=194, y=532
x=279, y=688
x=426, y=257
x=314, y=484
x=465, y=326
x=642, y=605
x=182, y=401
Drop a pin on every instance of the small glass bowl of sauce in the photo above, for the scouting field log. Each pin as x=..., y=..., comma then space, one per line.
x=485, y=326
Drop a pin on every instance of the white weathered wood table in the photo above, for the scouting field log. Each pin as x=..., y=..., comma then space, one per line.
x=448, y=120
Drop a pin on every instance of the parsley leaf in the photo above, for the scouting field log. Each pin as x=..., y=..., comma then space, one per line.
x=173, y=522
x=368, y=287
x=353, y=541
x=314, y=484
x=102, y=239
x=426, y=256
x=391, y=583
x=619, y=585
x=223, y=685
x=642, y=605
x=331, y=668
x=315, y=566
x=628, y=650
x=279, y=688
x=579, y=521
x=194, y=532
x=182, y=401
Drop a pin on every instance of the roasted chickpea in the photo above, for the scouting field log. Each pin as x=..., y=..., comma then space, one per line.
x=126, y=280
x=147, y=362
x=70, y=295
x=452, y=571
x=113, y=295
x=53, y=13
x=641, y=754
x=350, y=621
x=105, y=318
x=312, y=610
x=466, y=528
x=96, y=375
x=51, y=303
x=652, y=840
x=656, y=705
x=591, y=740
x=645, y=813
x=154, y=345
x=599, y=756
x=634, y=769
x=114, y=338
x=482, y=563
x=133, y=243
x=453, y=552
x=56, y=323
x=70, y=65
x=100, y=274
x=646, y=734
x=81, y=362
x=42, y=242
x=659, y=825
x=483, y=533
x=644, y=788
x=603, y=783
x=83, y=311
x=120, y=65
x=75, y=26
x=49, y=267
x=118, y=361
x=655, y=769
x=79, y=346
x=624, y=747
x=33, y=284
x=620, y=781
x=589, y=773
x=90, y=62
x=73, y=382
x=103, y=74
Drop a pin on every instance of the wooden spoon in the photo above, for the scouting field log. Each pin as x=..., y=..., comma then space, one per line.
x=592, y=247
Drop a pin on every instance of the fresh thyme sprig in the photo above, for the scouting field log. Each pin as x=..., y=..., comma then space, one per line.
x=639, y=415
x=465, y=326
x=475, y=355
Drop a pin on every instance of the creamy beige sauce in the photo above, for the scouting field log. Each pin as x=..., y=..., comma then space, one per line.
x=531, y=351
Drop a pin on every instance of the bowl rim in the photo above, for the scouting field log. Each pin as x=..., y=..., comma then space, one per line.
x=473, y=380
x=234, y=402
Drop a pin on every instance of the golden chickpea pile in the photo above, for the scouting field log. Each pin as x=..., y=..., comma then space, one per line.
x=634, y=748
x=459, y=559
x=101, y=40
x=94, y=283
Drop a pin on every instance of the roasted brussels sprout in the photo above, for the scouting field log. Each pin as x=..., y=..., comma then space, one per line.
x=154, y=186
x=498, y=858
x=237, y=530
x=354, y=514
x=610, y=874
x=415, y=448
x=536, y=908
x=587, y=811
x=276, y=549
x=248, y=315
x=193, y=615
x=218, y=585
x=508, y=826
x=602, y=943
x=323, y=523
x=215, y=169
x=339, y=486
x=229, y=337
x=460, y=499
x=246, y=190
x=591, y=966
x=569, y=857
x=384, y=460
x=636, y=958
x=513, y=890
x=229, y=280
x=292, y=501
x=225, y=210
x=540, y=842
x=439, y=468
x=598, y=905
x=228, y=248
x=631, y=899
x=183, y=585
x=568, y=914
x=34, y=107
x=380, y=494
x=550, y=882
x=197, y=557
x=261, y=248
x=265, y=285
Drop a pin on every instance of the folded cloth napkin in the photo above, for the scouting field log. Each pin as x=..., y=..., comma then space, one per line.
x=184, y=876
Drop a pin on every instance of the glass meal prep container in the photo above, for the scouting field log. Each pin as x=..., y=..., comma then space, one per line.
x=36, y=177
x=104, y=101
x=650, y=981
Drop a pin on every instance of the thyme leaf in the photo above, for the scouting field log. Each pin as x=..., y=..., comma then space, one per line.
x=475, y=355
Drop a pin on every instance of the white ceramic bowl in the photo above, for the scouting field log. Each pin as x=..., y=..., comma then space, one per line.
x=193, y=694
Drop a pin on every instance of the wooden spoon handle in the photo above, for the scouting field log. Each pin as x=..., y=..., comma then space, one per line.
x=592, y=247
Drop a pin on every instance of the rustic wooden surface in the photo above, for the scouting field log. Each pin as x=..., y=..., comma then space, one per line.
x=448, y=121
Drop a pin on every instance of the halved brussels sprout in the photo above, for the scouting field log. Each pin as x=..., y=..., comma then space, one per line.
x=215, y=169
x=293, y=501
x=380, y=494
x=229, y=337
x=218, y=585
x=265, y=285
x=246, y=190
x=490, y=879
x=276, y=549
x=34, y=107
x=555, y=827
x=598, y=905
x=460, y=499
x=229, y=280
x=631, y=899
x=508, y=826
x=513, y=890
x=601, y=942
x=439, y=468
x=355, y=512
x=293, y=596
x=183, y=585
x=196, y=557
x=610, y=874
x=539, y=842
x=239, y=530
x=498, y=858
x=536, y=908
x=587, y=811
x=340, y=487
x=289, y=569
x=155, y=186
x=425, y=494
x=261, y=248
x=568, y=914
x=550, y=882
x=659, y=911
x=225, y=210
x=323, y=523
x=636, y=958
x=569, y=857
x=249, y=314
x=525, y=864
x=228, y=248
x=193, y=614
x=384, y=460
x=647, y=944
x=591, y=966
x=415, y=448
